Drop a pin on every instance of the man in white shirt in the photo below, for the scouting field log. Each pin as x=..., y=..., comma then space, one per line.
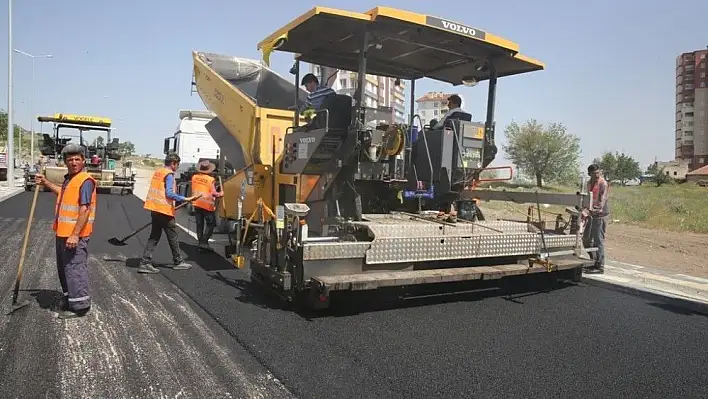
x=454, y=104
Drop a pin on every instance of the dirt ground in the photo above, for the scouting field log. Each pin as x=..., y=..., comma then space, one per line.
x=674, y=252
x=677, y=252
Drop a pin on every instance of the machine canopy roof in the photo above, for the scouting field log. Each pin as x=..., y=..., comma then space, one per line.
x=403, y=44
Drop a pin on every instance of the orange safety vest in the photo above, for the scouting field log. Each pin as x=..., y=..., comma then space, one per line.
x=66, y=211
x=156, y=199
x=201, y=184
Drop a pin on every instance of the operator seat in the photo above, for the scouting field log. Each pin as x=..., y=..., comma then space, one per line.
x=459, y=115
x=340, y=114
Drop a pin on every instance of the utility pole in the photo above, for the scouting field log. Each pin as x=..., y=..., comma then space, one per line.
x=10, y=155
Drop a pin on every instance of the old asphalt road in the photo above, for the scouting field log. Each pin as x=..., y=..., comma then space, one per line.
x=148, y=338
x=144, y=339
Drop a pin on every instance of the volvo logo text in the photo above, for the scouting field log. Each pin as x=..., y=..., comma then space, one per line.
x=465, y=30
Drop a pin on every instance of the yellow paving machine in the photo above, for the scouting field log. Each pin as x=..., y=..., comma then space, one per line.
x=336, y=204
x=101, y=158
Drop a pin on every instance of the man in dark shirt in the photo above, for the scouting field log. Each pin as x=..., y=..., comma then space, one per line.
x=318, y=93
x=73, y=224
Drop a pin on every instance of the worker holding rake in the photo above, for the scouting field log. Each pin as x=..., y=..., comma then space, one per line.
x=74, y=214
x=160, y=201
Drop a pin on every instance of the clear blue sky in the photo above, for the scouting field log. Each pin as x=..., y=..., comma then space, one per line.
x=610, y=64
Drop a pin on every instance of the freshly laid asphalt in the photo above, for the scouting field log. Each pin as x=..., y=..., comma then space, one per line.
x=208, y=332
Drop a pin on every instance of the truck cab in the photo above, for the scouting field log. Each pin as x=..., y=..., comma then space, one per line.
x=191, y=141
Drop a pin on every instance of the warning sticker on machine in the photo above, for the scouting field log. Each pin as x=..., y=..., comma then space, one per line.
x=302, y=150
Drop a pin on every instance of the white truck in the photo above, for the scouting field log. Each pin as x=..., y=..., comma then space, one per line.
x=191, y=141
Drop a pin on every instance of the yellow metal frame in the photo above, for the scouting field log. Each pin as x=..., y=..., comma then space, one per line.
x=83, y=120
x=271, y=42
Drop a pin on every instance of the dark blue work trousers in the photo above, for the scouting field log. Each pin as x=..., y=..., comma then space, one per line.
x=72, y=266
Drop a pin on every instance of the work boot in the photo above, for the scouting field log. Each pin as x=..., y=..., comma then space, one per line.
x=70, y=314
x=595, y=269
x=182, y=266
x=62, y=304
x=147, y=268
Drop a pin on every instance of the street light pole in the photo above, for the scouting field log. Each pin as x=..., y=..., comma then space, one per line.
x=33, y=57
x=32, y=116
x=10, y=154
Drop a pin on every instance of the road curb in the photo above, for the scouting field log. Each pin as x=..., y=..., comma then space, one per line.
x=656, y=295
x=9, y=195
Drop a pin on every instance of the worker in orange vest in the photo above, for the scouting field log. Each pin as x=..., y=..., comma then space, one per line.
x=74, y=214
x=160, y=201
x=594, y=234
x=205, y=206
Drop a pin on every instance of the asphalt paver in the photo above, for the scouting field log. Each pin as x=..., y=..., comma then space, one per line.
x=194, y=331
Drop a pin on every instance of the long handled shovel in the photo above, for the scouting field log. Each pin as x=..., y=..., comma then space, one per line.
x=15, y=304
x=119, y=242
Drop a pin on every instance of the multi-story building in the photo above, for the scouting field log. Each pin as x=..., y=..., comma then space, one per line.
x=433, y=105
x=692, y=108
x=381, y=93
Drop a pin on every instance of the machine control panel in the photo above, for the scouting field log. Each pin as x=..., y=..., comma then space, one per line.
x=308, y=152
x=471, y=141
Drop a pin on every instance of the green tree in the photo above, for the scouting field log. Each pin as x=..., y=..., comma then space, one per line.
x=17, y=129
x=126, y=149
x=627, y=169
x=660, y=174
x=621, y=167
x=608, y=163
x=547, y=153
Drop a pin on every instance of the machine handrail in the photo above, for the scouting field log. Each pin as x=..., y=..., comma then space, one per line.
x=459, y=152
x=326, y=111
x=427, y=150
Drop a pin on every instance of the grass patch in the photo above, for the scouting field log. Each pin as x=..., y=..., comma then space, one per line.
x=673, y=207
x=680, y=208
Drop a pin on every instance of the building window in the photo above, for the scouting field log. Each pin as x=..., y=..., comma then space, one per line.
x=689, y=114
x=703, y=74
x=688, y=86
x=702, y=64
x=688, y=133
x=703, y=84
x=435, y=112
x=343, y=83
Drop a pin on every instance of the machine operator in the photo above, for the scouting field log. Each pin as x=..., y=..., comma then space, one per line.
x=205, y=207
x=454, y=104
x=318, y=93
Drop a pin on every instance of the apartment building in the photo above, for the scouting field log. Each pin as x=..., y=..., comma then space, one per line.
x=380, y=93
x=692, y=108
x=433, y=105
